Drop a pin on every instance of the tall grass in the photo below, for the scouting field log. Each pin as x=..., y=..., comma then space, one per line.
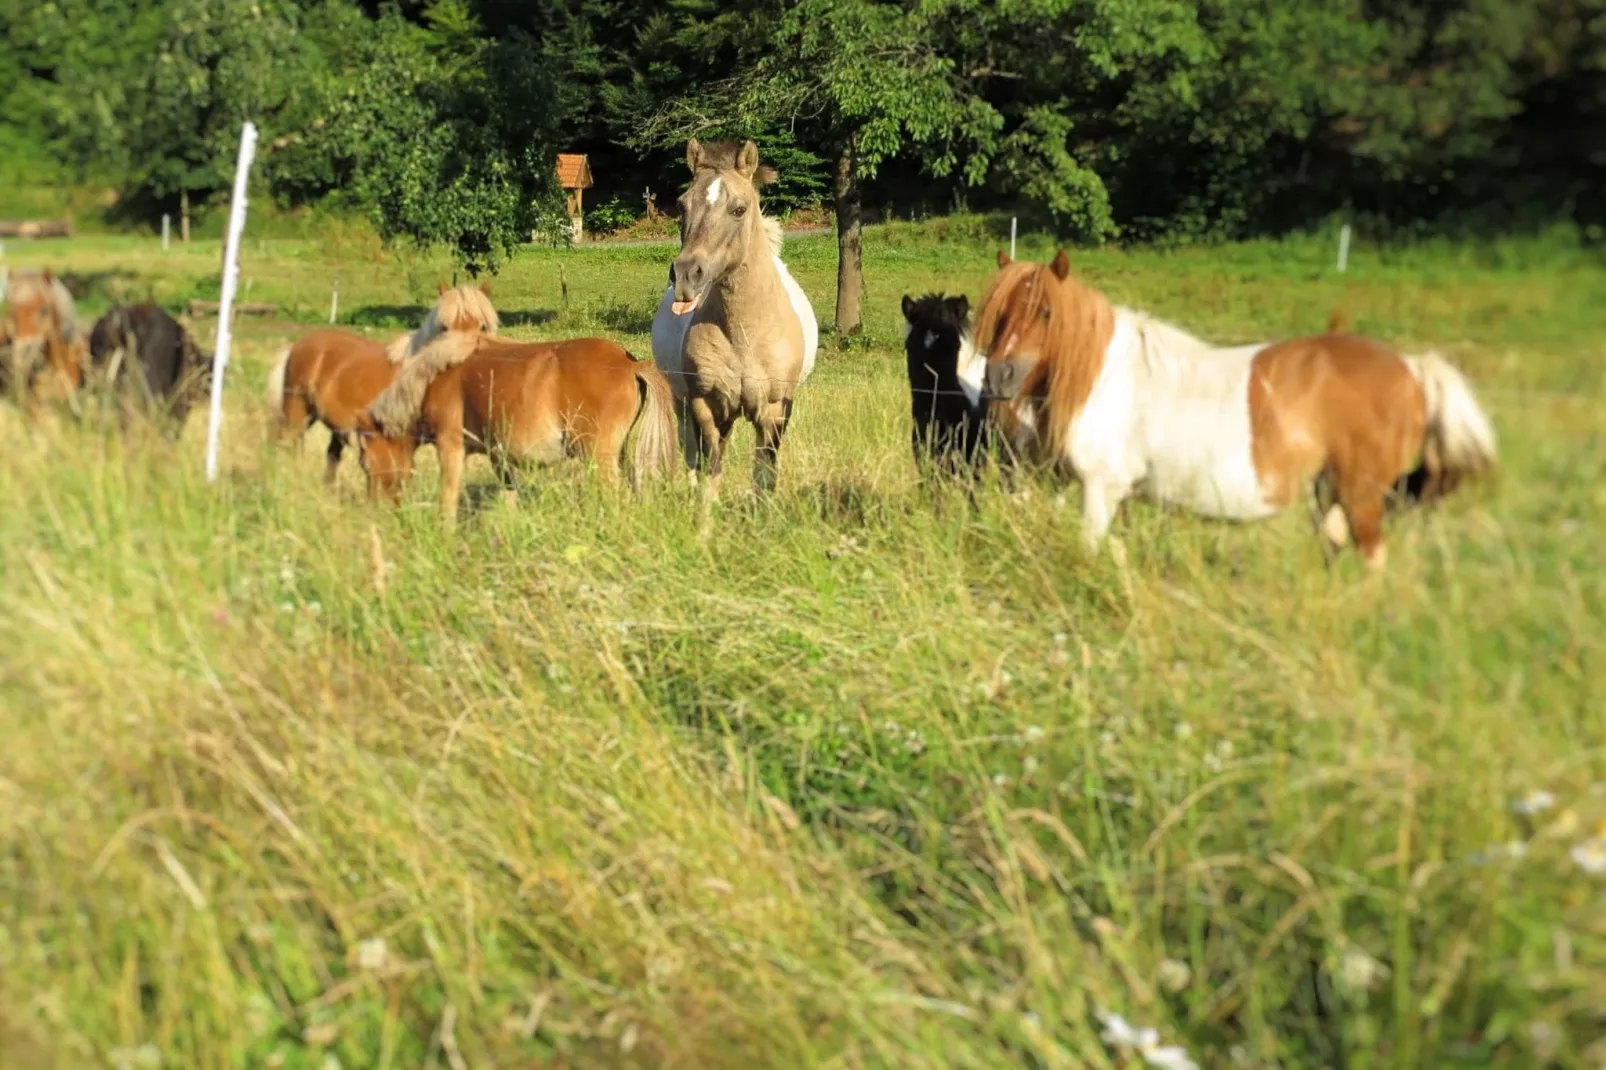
x=860, y=775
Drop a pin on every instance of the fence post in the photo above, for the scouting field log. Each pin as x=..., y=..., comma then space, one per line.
x=1343, y=249
x=334, y=298
x=167, y=230
x=231, y=279
x=1012, y=237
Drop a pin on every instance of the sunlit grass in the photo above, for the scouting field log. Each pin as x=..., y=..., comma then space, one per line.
x=860, y=775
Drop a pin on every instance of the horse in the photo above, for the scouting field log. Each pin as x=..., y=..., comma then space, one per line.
x=151, y=360
x=330, y=376
x=1121, y=399
x=41, y=331
x=734, y=332
x=945, y=382
x=520, y=404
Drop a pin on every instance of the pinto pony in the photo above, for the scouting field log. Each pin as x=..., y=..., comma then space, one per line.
x=734, y=332
x=520, y=404
x=331, y=376
x=1119, y=398
x=45, y=356
x=945, y=381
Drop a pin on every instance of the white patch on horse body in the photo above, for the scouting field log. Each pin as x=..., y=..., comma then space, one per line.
x=1172, y=412
x=669, y=332
x=971, y=369
x=1335, y=525
x=805, y=319
x=714, y=189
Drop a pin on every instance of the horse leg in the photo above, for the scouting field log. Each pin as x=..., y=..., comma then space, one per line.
x=337, y=446
x=1363, y=497
x=1100, y=500
x=714, y=435
x=691, y=440
x=451, y=452
x=771, y=427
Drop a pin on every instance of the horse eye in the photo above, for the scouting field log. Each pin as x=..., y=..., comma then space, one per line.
x=738, y=210
x=1045, y=315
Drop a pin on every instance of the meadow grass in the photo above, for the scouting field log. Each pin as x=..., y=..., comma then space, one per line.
x=865, y=774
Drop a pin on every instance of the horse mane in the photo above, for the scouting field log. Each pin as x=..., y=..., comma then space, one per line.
x=457, y=306
x=1081, y=322
x=397, y=409
x=935, y=310
x=32, y=286
x=773, y=233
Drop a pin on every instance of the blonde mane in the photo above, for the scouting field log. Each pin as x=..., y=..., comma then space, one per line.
x=462, y=308
x=1070, y=343
x=396, y=410
x=33, y=287
x=773, y=233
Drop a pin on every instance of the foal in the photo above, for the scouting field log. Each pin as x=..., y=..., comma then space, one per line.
x=152, y=362
x=330, y=376
x=945, y=381
x=1120, y=399
x=520, y=404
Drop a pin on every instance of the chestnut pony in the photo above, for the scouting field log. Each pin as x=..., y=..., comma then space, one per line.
x=330, y=376
x=520, y=404
x=1121, y=399
x=47, y=349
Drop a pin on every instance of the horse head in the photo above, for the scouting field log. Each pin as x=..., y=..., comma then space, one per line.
x=720, y=217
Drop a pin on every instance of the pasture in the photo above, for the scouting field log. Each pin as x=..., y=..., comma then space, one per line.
x=861, y=775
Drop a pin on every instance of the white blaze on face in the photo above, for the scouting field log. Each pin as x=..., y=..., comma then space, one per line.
x=931, y=339
x=715, y=188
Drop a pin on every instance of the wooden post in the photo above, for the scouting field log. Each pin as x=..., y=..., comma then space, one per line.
x=184, y=216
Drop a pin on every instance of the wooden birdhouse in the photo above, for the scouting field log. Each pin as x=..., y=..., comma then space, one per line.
x=574, y=175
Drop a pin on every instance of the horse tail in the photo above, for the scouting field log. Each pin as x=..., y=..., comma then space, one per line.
x=397, y=408
x=276, y=374
x=655, y=433
x=1459, y=442
x=1338, y=322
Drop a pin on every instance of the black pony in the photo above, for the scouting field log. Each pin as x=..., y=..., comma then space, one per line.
x=949, y=410
x=151, y=362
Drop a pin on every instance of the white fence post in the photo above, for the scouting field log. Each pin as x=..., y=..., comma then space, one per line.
x=1343, y=249
x=167, y=230
x=334, y=298
x=231, y=279
x=1012, y=237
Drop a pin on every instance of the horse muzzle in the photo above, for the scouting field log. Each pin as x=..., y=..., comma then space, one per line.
x=1006, y=378
x=690, y=276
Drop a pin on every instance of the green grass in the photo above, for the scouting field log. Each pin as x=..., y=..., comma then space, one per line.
x=857, y=776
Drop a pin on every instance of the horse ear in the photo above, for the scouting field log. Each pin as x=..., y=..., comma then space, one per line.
x=747, y=160
x=48, y=274
x=908, y=307
x=694, y=154
x=441, y=288
x=485, y=287
x=1003, y=258
x=962, y=306
x=1061, y=267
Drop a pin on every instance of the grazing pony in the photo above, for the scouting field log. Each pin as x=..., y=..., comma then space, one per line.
x=1121, y=399
x=734, y=332
x=945, y=381
x=151, y=361
x=520, y=404
x=46, y=347
x=330, y=376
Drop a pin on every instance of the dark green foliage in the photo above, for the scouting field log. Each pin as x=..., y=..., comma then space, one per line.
x=1143, y=119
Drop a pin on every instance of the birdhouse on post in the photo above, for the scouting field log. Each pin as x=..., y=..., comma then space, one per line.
x=574, y=175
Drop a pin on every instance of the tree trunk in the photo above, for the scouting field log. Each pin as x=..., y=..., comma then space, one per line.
x=184, y=216
x=850, y=263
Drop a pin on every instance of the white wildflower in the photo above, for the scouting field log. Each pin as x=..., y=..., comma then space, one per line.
x=915, y=743
x=1184, y=730
x=1029, y=766
x=1000, y=780
x=1590, y=856
x=1499, y=852
x=1173, y=975
x=1121, y=1034
x=373, y=954
x=1360, y=972
x=1034, y=734
x=1535, y=802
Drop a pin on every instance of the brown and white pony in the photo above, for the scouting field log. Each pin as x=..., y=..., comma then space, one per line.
x=45, y=349
x=330, y=376
x=734, y=332
x=1120, y=399
x=520, y=404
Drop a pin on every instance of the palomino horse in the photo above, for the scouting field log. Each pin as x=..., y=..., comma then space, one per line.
x=945, y=381
x=734, y=333
x=149, y=359
x=331, y=376
x=520, y=404
x=46, y=346
x=1120, y=399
